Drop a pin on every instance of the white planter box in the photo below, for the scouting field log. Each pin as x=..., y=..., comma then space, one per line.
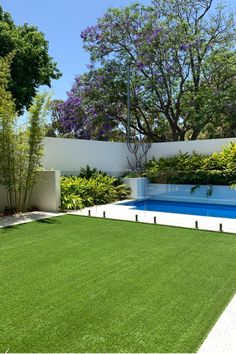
x=138, y=186
x=46, y=194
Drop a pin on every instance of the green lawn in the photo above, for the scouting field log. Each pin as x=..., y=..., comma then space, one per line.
x=76, y=284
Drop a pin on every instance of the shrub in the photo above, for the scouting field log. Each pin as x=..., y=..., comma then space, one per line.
x=218, y=168
x=78, y=192
x=133, y=174
x=87, y=172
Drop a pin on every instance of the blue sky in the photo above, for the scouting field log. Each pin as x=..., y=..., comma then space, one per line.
x=62, y=22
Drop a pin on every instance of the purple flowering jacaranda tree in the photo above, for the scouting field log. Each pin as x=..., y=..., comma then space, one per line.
x=93, y=109
x=174, y=50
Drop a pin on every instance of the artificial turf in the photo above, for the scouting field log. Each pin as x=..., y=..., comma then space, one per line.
x=76, y=284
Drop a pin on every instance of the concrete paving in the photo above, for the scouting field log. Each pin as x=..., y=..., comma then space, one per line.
x=124, y=212
x=222, y=337
x=25, y=218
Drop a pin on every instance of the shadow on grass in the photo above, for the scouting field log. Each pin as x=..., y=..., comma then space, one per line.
x=49, y=221
x=7, y=229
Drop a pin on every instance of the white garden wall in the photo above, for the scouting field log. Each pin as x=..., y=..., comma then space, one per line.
x=69, y=155
x=138, y=186
x=200, y=146
x=46, y=194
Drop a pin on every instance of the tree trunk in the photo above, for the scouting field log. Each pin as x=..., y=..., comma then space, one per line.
x=195, y=134
x=175, y=135
x=182, y=136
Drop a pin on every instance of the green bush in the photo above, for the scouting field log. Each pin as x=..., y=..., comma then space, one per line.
x=87, y=172
x=133, y=174
x=216, y=169
x=79, y=192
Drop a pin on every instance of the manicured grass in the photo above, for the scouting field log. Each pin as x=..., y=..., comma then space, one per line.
x=76, y=284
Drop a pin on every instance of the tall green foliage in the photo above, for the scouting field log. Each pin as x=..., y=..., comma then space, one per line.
x=32, y=65
x=34, y=137
x=20, y=149
x=7, y=133
x=80, y=192
x=218, y=168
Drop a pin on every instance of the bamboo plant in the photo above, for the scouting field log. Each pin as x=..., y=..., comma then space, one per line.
x=20, y=148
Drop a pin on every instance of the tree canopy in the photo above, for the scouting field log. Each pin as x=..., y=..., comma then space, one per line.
x=31, y=66
x=175, y=51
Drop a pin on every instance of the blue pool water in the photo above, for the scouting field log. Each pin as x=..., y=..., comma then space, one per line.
x=204, y=209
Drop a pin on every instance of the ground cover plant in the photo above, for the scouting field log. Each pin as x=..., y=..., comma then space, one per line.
x=92, y=187
x=77, y=284
x=218, y=168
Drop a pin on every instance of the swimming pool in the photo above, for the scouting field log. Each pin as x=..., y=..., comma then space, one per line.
x=203, y=209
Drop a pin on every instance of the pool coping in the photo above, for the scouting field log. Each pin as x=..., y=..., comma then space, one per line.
x=118, y=211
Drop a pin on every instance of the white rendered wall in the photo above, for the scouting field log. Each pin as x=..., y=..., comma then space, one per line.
x=46, y=195
x=137, y=186
x=69, y=155
x=200, y=146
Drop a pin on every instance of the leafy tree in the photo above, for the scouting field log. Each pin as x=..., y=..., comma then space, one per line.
x=219, y=103
x=54, y=127
x=31, y=66
x=174, y=49
x=95, y=106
